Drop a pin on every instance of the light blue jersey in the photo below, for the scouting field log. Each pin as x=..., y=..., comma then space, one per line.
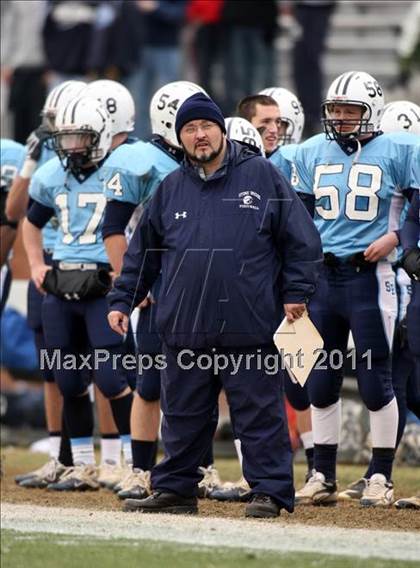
x=12, y=155
x=415, y=168
x=79, y=208
x=357, y=198
x=284, y=159
x=133, y=172
x=49, y=232
x=144, y=165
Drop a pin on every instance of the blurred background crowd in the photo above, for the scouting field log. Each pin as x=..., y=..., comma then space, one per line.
x=233, y=48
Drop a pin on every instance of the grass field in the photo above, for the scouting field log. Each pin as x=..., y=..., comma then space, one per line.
x=45, y=551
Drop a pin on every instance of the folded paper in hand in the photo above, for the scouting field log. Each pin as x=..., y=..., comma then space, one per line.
x=299, y=344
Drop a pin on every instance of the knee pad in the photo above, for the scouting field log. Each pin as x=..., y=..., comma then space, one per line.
x=148, y=385
x=110, y=375
x=375, y=386
x=70, y=385
x=296, y=395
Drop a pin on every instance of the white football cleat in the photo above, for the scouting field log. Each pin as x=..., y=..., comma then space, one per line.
x=50, y=472
x=210, y=481
x=354, y=491
x=137, y=485
x=317, y=491
x=378, y=493
x=408, y=503
x=109, y=474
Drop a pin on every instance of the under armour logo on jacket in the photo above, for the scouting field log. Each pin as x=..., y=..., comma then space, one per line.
x=181, y=215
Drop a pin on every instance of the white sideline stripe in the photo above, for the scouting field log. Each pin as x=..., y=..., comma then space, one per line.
x=274, y=536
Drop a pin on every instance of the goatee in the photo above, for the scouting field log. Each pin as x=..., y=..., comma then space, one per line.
x=205, y=159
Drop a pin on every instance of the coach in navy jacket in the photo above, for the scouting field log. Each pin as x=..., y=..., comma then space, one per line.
x=236, y=248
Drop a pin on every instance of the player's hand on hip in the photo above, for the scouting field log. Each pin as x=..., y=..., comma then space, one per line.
x=294, y=311
x=38, y=273
x=118, y=322
x=381, y=248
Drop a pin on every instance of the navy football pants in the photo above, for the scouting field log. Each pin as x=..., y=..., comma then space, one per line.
x=413, y=329
x=64, y=322
x=256, y=402
x=364, y=303
x=35, y=300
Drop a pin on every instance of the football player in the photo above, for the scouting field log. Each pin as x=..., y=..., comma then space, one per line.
x=71, y=187
x=398, y=116
x=263, y=113
x=39, y=151
x=358, y=176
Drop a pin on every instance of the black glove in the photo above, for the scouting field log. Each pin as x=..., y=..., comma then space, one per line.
x=411, y=263
x=35, y=142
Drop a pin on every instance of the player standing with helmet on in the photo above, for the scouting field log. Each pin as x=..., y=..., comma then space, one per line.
x=39, y=150
x=71, y=187
x=358, y=176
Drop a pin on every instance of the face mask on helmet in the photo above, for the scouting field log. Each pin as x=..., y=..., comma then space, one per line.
x=292, y=115
x=164, y=106
x=353, y=107
x=84, y=134
x=77, y=148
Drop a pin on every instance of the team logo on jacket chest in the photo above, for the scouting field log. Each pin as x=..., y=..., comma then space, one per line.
x=249, y=200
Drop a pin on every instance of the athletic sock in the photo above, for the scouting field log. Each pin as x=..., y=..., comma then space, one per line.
x=54, y=443
x=79, y=420
x=65, y=456
x=382, y=461
x=110, y=449
x=325, y=459
x=144, y=454
x=121, y=410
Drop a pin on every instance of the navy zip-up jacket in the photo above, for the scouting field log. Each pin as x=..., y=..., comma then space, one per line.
x=232, y=250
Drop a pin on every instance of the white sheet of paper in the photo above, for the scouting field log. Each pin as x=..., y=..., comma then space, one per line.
x=299, y=344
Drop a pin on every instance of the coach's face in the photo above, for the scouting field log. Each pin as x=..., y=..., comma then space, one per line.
x=202, y=140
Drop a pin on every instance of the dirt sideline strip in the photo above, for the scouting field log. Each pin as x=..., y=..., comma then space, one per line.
x=241, y=534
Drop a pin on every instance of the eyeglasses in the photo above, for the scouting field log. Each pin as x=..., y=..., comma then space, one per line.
x=191, y=129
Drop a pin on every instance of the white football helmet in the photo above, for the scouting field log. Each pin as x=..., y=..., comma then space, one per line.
x=165, y=104
x=240, y=129
x=59, y=96
x=84, y=133
x=355, y=88
x=401, y=116
x=291, y=112
x=118, y=102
